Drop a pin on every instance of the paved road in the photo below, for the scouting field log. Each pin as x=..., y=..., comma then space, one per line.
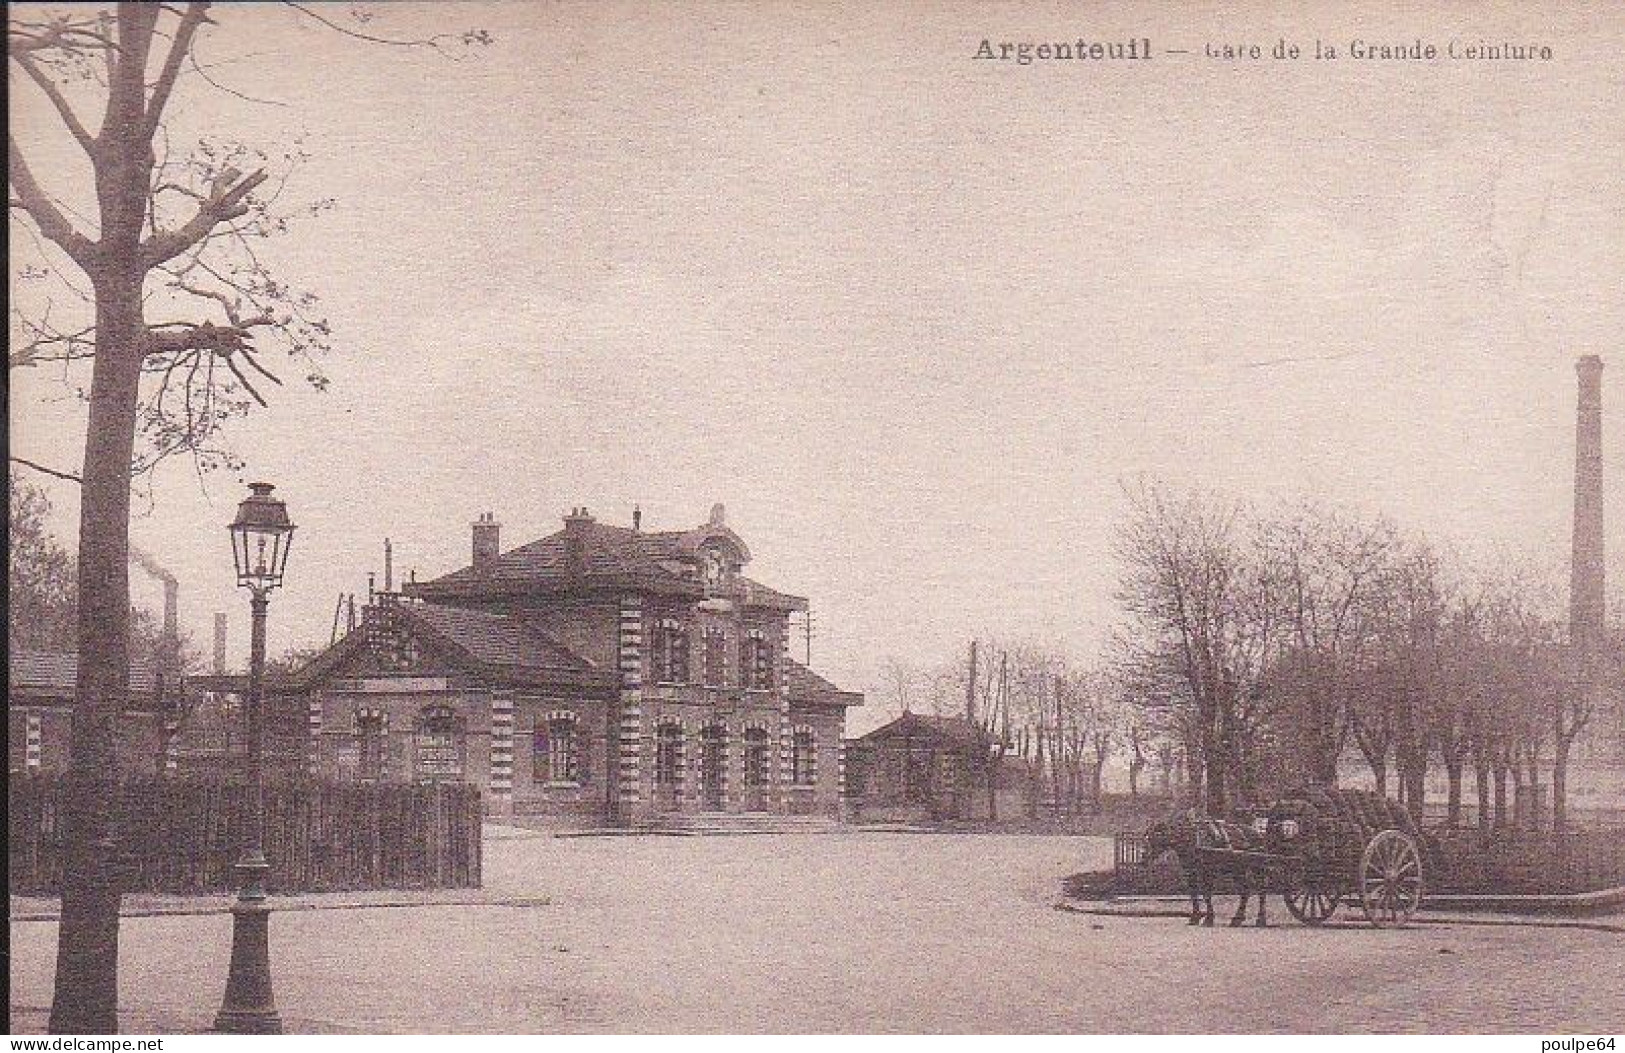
x=845, y=933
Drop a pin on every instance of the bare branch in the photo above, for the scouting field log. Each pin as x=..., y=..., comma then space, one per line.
x=52, y=92
x=196, y=14
x=432, y=43
x=50, y=220
x=225, y=202
x=248, y=357
x=198, y=68
x=25, y=462
x=59, y=34
x=231, y=364
x=217, y=339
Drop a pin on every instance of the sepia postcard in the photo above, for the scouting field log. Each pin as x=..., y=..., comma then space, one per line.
x=806, y=517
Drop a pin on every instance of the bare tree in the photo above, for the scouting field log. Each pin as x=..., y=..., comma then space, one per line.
x=1413, y=614
x=1200, y=622
x=1329, y=568
x=1525, y=670
x=1454, y=716
x=174, y=301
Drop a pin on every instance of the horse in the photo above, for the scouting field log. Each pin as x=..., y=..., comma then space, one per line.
x=1185, y=834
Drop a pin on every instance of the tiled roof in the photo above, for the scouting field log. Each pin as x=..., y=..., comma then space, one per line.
x=807, y=686
x=759, y=595
x=954, y=730
x=612, y=556
x=51, y=676
x=504, y=646
x=505, y=640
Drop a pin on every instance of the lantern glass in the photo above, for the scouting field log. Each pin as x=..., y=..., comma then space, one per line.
x=261, y=536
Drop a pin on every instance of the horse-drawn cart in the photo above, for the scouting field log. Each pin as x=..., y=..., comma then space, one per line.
x=1322, y=847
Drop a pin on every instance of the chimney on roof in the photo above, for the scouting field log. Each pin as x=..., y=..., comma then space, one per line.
x=576, y=526
x=637, y=519
x=389, y=566
x=487, y=542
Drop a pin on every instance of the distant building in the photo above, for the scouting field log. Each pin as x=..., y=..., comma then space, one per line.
x=928, y=768
x=602, y=673
x=39, y=715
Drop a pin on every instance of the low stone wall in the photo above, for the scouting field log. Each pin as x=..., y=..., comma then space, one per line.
x=183, y=835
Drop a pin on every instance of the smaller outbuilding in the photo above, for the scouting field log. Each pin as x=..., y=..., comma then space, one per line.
x=39, y=715
x=923, y=768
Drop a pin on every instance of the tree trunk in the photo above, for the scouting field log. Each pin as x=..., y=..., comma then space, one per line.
x=1560, y=786
x=993, y=773
x=1481, y=777
x=1520, y=797
x=1214, y=761
x=86, y=990
x=1532, y=787
x=1453, y=772
x=1416, y=797
x=85, y=999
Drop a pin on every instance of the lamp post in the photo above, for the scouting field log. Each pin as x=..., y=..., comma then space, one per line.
x=260, y=538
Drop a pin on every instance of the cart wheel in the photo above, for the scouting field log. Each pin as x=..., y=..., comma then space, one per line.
x=1390, y=879
x=1313, y=902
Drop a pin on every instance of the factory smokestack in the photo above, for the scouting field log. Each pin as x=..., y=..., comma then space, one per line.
x=219, y=643
x=151, y=566
x=169, y=658
x=1587, y=599
x=172, y=617
x=1586, y=583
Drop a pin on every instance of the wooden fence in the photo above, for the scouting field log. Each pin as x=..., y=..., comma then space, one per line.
x=183, y=835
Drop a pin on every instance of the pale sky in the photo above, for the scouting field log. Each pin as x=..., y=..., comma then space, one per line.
x=909, y=315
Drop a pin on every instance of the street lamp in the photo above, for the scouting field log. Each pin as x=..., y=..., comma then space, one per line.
x=260, y=538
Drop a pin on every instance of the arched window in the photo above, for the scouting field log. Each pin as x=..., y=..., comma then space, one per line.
x=804, y=758
x=671, y=652
x=716, y=657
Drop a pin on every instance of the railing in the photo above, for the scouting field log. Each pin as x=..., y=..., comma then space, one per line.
x=1508, y=862
x=1128, y=851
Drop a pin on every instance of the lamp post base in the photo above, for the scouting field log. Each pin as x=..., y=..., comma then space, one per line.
x=249, y=1007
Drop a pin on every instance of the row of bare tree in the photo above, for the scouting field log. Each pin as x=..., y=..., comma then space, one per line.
x=1263, y=647
x=1275, y=638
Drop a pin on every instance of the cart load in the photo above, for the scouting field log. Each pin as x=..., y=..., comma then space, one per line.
x=1332, y=844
